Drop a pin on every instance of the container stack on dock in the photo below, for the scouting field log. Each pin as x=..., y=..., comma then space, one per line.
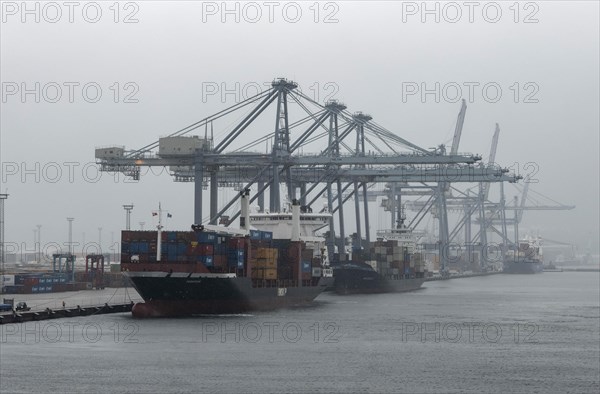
x=33, y=283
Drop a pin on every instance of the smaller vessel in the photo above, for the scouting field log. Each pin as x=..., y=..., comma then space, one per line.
x=397, y=265
x=527, y=258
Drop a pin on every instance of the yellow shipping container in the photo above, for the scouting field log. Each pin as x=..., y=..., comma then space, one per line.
x=271, y=274
x=264, y=273
x=261, y=253
x=264, y=263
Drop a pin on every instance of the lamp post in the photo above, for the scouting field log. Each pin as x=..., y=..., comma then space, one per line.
x=2, y=255
x=39, y=242
x=70, y=220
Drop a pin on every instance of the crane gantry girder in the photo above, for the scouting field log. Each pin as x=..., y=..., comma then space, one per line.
x=461, y=202
x=258, y=159
x=231, y=175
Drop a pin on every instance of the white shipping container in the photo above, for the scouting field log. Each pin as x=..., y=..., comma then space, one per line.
x=8, y=280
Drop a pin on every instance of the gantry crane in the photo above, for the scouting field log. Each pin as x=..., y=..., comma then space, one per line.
x=214, y=163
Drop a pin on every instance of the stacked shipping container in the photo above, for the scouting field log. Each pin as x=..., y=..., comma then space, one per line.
x=394, y=260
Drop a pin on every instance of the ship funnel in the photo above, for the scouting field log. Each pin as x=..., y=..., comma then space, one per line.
x=245, y=210
x=295, y=221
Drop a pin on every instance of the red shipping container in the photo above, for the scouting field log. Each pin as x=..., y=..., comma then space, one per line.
x=31, y=281
x=220, y=261
x=235, y=243
x=205, y=249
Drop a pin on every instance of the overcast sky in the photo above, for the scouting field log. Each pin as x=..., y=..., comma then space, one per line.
x=154, y=74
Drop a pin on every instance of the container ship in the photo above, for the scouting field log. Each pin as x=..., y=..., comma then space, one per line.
x=397, y=266
x=526, y=259
x=218, y=270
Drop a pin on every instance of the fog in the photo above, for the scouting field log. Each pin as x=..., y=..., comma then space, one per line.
x=540, y=62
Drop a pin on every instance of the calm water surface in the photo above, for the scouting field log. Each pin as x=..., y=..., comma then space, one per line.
x=496, y=334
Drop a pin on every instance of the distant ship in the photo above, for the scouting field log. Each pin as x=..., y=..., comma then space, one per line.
x=217, y=270
x=397, y=267
x=526, y=259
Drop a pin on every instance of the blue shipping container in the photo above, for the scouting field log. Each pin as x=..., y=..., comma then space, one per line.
x=255, y=234
x=204, y=237
x=266, y=235
x=171, y=236
x=206, y=260
x=306, y=266
x=143, y=247
x=235, y=258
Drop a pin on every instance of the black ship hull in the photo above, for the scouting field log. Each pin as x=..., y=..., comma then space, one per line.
x=357, y=279
x=182, y=294
x=523, y=267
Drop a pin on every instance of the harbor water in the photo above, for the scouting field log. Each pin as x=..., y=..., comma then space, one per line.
x=494, y=334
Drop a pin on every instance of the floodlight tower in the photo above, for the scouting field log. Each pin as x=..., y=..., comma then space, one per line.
x=128, y=208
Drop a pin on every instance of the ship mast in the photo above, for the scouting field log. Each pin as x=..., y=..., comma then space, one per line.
x=159, y=233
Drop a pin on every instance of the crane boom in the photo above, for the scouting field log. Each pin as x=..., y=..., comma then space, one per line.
x=458, y=129
x=492, y=158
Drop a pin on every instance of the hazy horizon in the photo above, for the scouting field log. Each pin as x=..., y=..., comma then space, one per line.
x=158, y=74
